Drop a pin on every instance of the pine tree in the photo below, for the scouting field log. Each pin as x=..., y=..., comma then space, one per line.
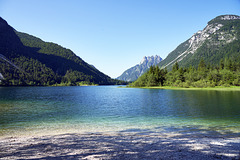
x=201, y=65
x=175, y=67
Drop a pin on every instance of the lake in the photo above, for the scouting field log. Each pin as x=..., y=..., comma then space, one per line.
x=91, y=109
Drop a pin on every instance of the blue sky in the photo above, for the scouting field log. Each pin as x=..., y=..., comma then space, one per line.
x=114, y=35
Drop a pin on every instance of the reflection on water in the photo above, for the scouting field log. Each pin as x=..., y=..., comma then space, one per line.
x=108, y=108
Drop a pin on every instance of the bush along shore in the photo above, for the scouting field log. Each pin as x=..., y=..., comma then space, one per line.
x=224, y=74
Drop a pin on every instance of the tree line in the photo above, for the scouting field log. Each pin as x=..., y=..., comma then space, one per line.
x=226, y=73
x=34, y=73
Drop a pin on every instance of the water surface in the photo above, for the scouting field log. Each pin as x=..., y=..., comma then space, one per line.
x=46, y=110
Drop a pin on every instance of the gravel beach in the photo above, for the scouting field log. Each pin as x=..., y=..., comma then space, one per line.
x=121, y=145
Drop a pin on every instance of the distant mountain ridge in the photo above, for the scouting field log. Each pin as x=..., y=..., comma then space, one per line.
x=43, y=63
x=219, y=39
x=133, y=73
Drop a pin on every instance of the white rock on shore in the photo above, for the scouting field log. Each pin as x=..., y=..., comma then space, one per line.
x=121, y=146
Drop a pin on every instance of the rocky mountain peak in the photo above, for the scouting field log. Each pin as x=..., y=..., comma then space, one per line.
x=153, y=59
x=219, y=32
x=143, y=60
x=133, y=73
x=229, y=17
x=223, y=19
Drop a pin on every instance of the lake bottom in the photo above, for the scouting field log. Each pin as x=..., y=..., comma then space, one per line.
x=37, y=111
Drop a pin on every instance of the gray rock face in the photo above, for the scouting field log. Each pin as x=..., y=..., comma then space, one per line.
x=212, y=35
x=133, y=73
x=229, y=17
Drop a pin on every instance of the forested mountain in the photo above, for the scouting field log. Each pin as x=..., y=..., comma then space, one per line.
x=27, y=60
x=133, y=73
x=210, y=58
x=218, y=40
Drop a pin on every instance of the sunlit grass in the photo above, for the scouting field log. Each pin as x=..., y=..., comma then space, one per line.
x=218, y=88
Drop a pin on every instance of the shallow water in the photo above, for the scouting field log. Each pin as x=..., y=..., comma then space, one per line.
x=51, y=110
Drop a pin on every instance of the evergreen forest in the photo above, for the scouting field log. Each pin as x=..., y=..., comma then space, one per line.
x=226, y=73
x=26, y=60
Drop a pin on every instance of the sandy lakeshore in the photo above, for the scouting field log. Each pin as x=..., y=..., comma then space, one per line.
x=121, y=146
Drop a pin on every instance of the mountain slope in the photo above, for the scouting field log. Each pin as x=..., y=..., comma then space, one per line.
x=42, y=63
x=134, y=72
x=219, y=39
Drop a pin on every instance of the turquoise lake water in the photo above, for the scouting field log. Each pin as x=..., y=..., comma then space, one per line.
x=51, y=110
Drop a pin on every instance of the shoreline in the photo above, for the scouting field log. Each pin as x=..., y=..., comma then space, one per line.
x=233, y=88
x=121, y=146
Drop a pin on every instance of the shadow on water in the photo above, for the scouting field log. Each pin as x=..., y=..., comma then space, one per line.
x=172, y=143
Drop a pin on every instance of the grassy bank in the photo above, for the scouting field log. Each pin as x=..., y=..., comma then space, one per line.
x=219, y=88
